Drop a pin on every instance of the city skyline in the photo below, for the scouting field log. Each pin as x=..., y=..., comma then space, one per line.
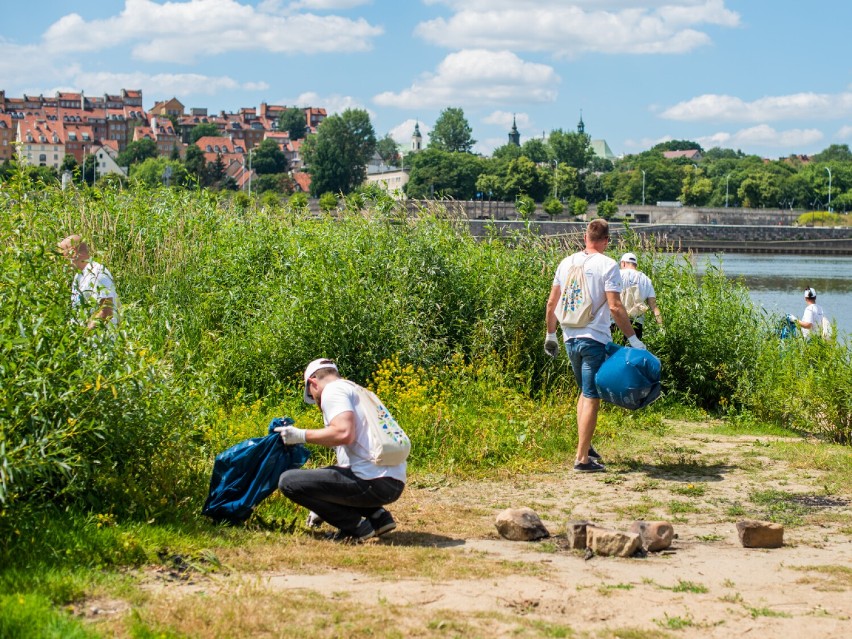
x=769, y=78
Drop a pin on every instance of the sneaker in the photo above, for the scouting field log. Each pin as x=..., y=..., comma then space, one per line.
x=382, y=521
x=593, y=454
x=362, y=532
x=590, y=466
x=313, y=520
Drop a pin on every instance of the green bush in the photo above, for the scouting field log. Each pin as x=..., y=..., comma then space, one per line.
x=525, y=206
x=553, y=207
x=328, y=202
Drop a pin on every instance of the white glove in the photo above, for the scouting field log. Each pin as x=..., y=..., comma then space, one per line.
x=291, y=435
x=635, y=342
x=551, y=345
x=792, y=318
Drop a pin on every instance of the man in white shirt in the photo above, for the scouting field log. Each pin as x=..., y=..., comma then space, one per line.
x=586, y=345
x=812, y=318
x=351, y=494
x=92, y=285
x=632, y=276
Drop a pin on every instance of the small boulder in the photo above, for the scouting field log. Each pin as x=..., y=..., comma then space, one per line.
x=575, y=533
x=612, y=542
x=520, y=524
x=760, y=534
x=656, y=535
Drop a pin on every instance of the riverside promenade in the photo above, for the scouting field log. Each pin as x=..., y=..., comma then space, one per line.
x=700, y=230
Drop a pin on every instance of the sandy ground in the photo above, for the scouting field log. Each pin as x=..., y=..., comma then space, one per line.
x=705, y=585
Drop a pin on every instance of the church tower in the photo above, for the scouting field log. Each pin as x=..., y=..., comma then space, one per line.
x=581, y=128
x=416, y=139
x=514, y=136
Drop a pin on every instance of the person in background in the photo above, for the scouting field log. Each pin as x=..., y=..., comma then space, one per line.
x=632, y=276
x=812, y=318
x=93, y=283
x=351, y=494
x=586, y=345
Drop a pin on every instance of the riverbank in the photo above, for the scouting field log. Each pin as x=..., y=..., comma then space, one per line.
x=445, y=569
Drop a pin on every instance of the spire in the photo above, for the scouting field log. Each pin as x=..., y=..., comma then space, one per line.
x=416, y=138
x=514, y=135
x=581, y=128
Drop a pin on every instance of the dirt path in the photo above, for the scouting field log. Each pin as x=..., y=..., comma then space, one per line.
x=448, y=573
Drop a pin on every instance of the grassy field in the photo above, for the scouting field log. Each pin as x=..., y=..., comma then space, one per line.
x=108, y=438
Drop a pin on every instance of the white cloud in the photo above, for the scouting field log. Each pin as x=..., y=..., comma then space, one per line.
x=762, y=135
x=505, y=119
x=162, y=85
x=476, y=76
x=328, y=5
x=568, y=29
x=712, y=107
x=179, y=32
x=334, y=103
x=845, y=132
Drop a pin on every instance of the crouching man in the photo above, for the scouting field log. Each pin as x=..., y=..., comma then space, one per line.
x=349, y=495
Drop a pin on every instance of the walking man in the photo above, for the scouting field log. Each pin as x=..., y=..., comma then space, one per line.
x=93, y=283
x=585, y=345
x=644, y=293
x=813, y=319
x=349, y=495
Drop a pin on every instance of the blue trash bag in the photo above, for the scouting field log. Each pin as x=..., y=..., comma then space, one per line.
x=247, y=473
x=787, y=328
x=630, y=377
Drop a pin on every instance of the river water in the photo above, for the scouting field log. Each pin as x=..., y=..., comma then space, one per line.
x=777, y=282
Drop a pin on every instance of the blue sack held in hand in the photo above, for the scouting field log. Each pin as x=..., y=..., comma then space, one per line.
x=630, y=377
x=247, y=473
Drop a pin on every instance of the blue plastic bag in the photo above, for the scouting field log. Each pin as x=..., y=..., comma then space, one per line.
x=630, y=377
x=247, y=473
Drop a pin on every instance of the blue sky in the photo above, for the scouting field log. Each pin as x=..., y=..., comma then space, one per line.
x=770, y=77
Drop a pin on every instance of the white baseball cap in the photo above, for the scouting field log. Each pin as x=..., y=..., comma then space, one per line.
x=810, y=294
x=310, y=371
x=630, y=258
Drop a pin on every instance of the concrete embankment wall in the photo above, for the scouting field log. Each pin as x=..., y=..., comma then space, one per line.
x=702, y=230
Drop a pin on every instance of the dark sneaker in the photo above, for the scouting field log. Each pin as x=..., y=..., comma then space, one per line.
x=590, y=466
x=362, y=532
x=382, y=521
x=594, y=455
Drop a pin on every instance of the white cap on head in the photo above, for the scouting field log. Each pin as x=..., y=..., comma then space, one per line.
x=810, y=294
x=311, y=370
x=630, y=258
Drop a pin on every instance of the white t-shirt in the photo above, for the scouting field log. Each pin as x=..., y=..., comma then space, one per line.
x=92, y=284
x=813, y=315
x=631, y=277
x=338, y=397
x=602, y=275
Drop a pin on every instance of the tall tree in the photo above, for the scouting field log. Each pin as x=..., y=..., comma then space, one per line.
x=452, y=132
x=137, y=151
x=388, y=150
x=196, y=165
x=571, y=148
x=337, y=155
x=436, y=173
x=295, y=122
x=268, y=158
x=203, y=130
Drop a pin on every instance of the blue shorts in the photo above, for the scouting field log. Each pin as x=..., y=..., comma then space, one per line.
x=587, y=356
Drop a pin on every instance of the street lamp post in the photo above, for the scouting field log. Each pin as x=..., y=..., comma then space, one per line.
x=829, y=188
x=727, y=178
x=555, y=179
x=643, y=187
x=249, y=180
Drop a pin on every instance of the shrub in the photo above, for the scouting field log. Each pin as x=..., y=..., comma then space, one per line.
x=553, y=207
x=328, y=202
